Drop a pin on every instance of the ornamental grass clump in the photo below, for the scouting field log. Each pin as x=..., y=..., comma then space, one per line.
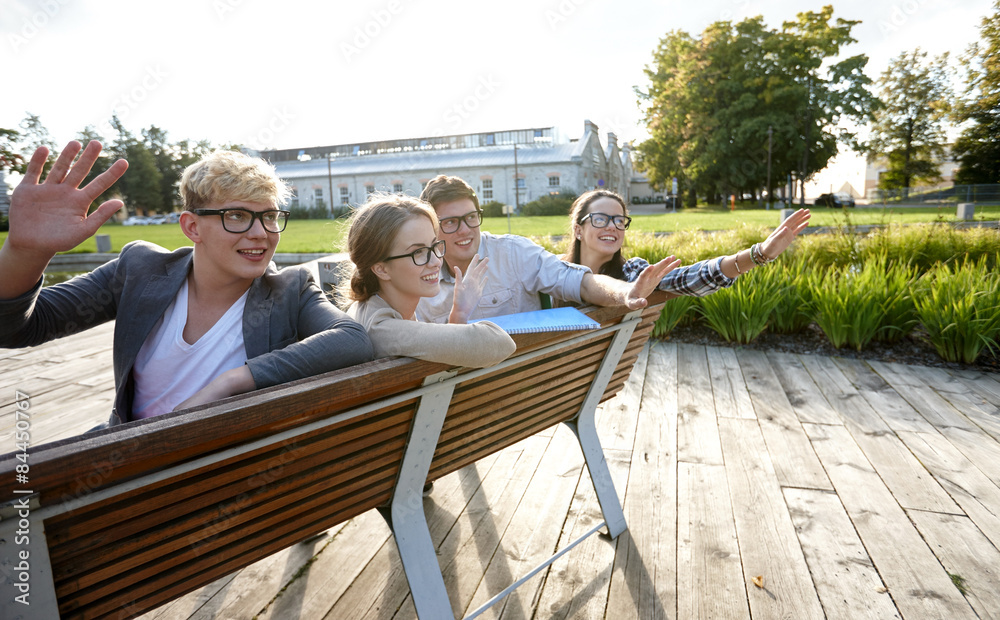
x=848, y=303
x=794, y=310
x=959, y=307
x=676, y=312
x=899, y=314
x=740, y=313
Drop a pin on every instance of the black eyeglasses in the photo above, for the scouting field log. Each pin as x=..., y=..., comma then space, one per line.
x=422, y=256
x=600, y=220
x=472, y=219
x=237, y=220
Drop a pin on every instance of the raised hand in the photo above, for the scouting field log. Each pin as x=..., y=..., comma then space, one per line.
x=647, y=281
x=779, y=240
x=51, y=216
x=468, y=289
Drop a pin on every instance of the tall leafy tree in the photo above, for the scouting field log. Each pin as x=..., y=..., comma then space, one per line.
x=711, y=101
x=140, y=186
x=908, y=129
x=34, y=135
x=978, y=147
x=10, y=155
x=103, y=162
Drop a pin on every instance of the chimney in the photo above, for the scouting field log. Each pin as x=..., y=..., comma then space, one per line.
x=612, y=139
x=589, y=126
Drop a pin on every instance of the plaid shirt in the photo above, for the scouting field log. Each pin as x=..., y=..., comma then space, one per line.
x=696, y=280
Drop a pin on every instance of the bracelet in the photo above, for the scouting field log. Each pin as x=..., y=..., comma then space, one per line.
x=736, y=261
x=757, y=256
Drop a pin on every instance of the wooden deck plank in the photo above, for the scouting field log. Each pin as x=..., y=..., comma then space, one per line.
x=971, y=561
x=792, y=455
x=809, y=403
x=769, y=550
x=709, y=575
x=697, y=430
x=983, y=413
x=909, y=481
x=728, y=386
x=986, y=385
x=976, y=494
x=918, y=584
x=898, y=414
x=962, y=432
x=644, y=576
x=846, y=581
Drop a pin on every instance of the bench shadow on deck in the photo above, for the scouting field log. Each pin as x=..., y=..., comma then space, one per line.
x=771, y=485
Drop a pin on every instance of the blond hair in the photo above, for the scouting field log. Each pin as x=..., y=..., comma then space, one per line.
x=222, y=176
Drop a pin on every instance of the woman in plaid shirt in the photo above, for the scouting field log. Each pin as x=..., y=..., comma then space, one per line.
x=599, y=219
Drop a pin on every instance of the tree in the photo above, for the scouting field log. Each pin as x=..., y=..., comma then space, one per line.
x=33, y=136
x=140, y=186
x=103, y=162
x=908, y=128
x=711, y=101
x=10, y=156
x=978, y=147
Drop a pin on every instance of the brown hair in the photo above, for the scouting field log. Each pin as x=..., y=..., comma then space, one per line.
x=443, y=188
x=372, y=230
x=580, y=208
x=222, y=176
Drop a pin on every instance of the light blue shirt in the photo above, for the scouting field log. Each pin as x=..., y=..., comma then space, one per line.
x=518, y=271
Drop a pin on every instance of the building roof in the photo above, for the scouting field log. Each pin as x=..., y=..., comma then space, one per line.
x=432, y=161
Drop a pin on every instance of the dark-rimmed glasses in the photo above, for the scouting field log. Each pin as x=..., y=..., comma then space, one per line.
x=600, y=220
x=238, y=220
x=422, y=256
x=472, y=219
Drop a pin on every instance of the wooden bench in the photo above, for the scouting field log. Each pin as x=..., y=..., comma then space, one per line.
x=123, y=520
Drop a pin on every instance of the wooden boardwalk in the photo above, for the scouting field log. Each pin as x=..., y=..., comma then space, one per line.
x=755, y=485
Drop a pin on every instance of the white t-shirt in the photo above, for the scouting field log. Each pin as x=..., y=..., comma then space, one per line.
x=168, y=370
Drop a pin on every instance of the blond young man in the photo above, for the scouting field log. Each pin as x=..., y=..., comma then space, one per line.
x=193, y=325
x=518, y=269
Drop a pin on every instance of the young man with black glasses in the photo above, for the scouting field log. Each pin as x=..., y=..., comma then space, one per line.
x=193, y=325
x=518, y=269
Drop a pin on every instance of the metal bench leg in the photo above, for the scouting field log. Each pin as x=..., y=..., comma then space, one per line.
x=406, y=512
x=585, y=429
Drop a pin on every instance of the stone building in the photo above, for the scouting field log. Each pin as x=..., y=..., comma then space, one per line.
x=512, y=167
x=4, y=197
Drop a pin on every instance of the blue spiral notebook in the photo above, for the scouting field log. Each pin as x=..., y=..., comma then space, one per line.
x=549, y=320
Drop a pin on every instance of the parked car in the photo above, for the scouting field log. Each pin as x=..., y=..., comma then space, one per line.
x=136, y=220
x=838, y=199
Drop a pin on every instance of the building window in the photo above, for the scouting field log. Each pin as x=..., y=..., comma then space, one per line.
x=487, y=189
x=295, y=196
x=490, y=139
x=343, y=195
x=553, y=181
x=369, y=189
x=538, y=133
x=520, y=183
x=397, y=188
x=318, y=197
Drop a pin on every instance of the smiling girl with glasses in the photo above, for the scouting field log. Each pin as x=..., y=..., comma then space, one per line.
x=393, y=243
x=598, y=221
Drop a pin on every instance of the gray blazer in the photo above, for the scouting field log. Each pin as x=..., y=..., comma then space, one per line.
x=290, y=330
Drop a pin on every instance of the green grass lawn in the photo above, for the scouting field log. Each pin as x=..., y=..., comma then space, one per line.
x=329, y=235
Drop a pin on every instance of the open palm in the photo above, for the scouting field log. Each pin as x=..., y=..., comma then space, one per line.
x=51, y=216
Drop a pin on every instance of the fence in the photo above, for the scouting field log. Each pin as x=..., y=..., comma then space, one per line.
x=982, y=193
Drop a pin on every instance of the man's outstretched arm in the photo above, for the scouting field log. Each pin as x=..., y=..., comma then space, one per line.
x=51, y=216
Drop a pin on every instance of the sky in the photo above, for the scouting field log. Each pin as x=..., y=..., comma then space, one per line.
x=298, y=73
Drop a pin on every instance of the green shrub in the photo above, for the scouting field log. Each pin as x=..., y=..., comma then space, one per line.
x=4, y=224
x=493, y=208
x=848, y=303
x=959, y=306
x=307, y=213
x=550, y=204
x=741, y=312
x=676, y=312
x=794, y=310
x=899, y=314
